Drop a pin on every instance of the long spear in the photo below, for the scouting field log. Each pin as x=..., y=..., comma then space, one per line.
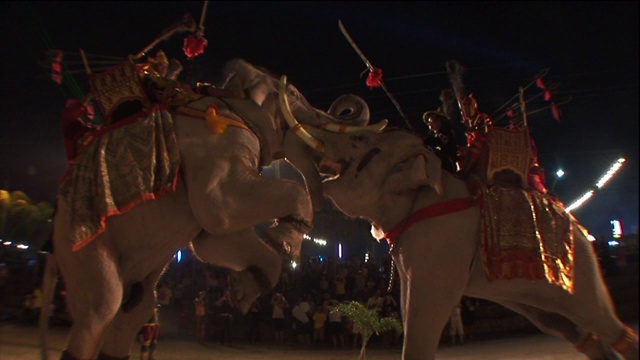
x=371, y=69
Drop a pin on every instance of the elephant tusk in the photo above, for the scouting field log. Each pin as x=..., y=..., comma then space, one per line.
x=291, y=120
x=376, y=128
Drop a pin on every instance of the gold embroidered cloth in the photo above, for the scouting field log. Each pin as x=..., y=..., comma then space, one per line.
x=127, y=165
x=526, y=234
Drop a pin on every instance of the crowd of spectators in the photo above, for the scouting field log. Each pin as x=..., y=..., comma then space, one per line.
x=297, y=310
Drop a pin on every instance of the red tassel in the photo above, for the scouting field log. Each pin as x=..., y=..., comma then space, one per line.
x=374, y=79
x=194, y=45
x=547, y=95
x=555, y=112
x=56, y=68
x=540, y=84
x=510, y=113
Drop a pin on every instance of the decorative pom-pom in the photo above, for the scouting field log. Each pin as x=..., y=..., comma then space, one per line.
x=56, y=67
x=194, y=45
x=555, y=112
x=374, y=79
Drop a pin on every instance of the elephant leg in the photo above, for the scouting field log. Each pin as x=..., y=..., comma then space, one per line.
x=428, y=305
x=122, y=332
x=93, y=282
x=590, y=306
x=243, y=199
x=558, y=325
x=256, y=265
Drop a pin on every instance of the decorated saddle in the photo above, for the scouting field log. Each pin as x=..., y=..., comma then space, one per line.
x=525, y=231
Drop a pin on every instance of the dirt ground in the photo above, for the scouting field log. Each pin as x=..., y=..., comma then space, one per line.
x=19, y=342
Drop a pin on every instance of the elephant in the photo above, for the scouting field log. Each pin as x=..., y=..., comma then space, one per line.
x=387, y=177
x=218, y=198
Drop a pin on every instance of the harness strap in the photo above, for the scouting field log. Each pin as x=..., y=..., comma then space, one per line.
x=439, y=209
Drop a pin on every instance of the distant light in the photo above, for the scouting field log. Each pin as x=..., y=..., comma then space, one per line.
x=339, y=250
x=591, y=238
x=178, y=256
x=617, y=228
x=603, y=180
x=320, y=242
x=7, y=243
x=23, y=247
x=366, y=257
x=559, y=173
x=294, y=264
x=613, y=243
x=321, y=258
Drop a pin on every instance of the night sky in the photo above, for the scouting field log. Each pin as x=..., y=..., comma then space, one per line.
x=590, y=49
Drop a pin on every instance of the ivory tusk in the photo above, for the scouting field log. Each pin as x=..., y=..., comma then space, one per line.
x=349, y=128
x=291, y=120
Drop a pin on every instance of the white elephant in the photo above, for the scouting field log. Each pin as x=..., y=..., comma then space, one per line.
x=386, y=178
x=218, y=199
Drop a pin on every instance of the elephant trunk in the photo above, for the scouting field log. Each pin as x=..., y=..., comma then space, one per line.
x=330, y=126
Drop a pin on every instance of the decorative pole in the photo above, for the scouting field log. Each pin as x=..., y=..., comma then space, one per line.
x=375, y=75
x=523, y=106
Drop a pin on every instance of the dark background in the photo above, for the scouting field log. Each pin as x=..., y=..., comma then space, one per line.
x=590, y=49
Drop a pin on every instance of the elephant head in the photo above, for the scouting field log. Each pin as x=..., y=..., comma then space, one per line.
x=352, y=114
x=287, y=120
x=371, y=165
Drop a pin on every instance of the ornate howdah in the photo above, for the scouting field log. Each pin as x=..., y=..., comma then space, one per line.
x=509, y=149
x=113, y=87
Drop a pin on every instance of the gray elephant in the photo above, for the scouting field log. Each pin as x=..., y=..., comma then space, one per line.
x=219, y=197
x=393, y=181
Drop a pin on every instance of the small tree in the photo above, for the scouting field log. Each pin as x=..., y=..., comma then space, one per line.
x=368, y=321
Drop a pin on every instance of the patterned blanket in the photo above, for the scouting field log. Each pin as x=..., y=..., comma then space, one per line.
x=526, y=234
x=130, y=164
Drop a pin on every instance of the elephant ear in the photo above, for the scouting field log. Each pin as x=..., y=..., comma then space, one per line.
x=423, y=169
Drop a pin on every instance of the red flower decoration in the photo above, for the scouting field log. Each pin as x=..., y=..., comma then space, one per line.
x=194, y=45
x=374, y=79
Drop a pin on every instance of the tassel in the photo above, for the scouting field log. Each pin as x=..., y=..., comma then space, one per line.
x=374, y=79
x=547, y=95
x=510, y=113
x=555, y=112
x=540, y=84
x=56, y=67
x=194, y=45
x=216, y=124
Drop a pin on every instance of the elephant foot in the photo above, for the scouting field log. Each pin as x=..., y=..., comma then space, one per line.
x=246, y=286
x=286, y=236
x=627, y=345
x=594, y=349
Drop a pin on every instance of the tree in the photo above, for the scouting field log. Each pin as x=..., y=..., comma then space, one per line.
x=22, y=220
x=368, y=321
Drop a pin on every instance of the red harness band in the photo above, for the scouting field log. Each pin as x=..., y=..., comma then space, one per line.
x=430, y=211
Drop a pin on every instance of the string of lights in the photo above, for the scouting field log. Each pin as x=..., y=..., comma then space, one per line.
x=600, y=184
